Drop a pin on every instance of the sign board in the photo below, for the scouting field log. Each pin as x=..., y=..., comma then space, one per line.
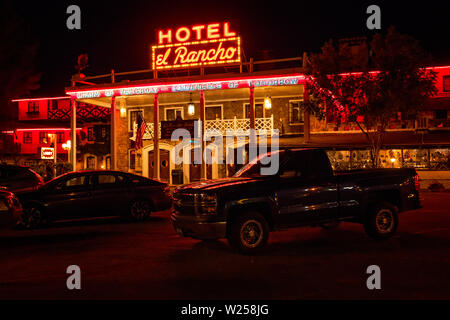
x=244, y=82
x=168, y=127
x=196, y=46
x=47, y=153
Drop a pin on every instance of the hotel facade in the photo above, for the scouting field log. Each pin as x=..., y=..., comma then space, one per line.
x=199, y=81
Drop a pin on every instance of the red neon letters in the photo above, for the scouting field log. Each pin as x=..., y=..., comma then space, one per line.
x=195, y=46
x=197, y=32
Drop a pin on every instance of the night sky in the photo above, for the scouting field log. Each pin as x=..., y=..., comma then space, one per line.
x=117, y=34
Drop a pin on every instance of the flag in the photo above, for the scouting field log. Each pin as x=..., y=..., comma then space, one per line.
x=140, y=131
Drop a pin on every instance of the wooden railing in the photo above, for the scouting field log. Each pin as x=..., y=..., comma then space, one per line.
x=240, y=127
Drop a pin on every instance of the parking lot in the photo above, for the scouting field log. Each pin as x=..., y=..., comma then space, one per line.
x=120, y=260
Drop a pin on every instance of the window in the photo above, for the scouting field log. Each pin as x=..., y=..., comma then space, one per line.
x=440, y=114
x=53, y=105
x=132, y=159
x=213, y=112
x=74, y=183
x=259, y=110
x=295, y=112
x=60, y=137
x=446, y=83
x=132, y=116
x=27, y=137
x=33, y=107
x=109, y=180
x=174, y=113
x=90, y=162
x=43, y=137
x=90, y=134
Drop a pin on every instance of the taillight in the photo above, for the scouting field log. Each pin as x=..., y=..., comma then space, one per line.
x=417, y=182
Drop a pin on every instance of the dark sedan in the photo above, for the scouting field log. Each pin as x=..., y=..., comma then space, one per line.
x=18, y=178
x=94, y=194
x=10, y=209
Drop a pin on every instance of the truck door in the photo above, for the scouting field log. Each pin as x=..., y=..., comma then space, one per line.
x=306, y=191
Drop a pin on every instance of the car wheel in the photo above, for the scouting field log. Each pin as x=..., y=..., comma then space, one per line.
x=33, y=217
x=330, y=225
x=382, y=221
x=249, y=233
x=140, y=210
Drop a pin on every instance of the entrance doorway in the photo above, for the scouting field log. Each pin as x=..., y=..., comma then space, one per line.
x=164, y=165
x=195, y=168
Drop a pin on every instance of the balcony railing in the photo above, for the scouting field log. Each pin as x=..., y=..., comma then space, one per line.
x=239, y=127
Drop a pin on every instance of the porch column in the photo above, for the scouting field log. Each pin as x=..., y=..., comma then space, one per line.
x=203, y=174
x=252, y=136
x=306, y=127
x=73, y=134
x=113, y=134
x=156, y=157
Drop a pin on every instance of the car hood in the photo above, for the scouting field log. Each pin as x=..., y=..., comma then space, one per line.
x=220, y=184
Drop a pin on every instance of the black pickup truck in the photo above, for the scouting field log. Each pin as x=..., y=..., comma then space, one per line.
x=304, y=191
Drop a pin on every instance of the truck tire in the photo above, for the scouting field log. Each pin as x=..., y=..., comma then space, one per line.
x=381, y=221
x=249, y=232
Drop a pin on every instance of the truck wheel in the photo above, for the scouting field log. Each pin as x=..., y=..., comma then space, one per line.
x=249, y=232
x=382, y=221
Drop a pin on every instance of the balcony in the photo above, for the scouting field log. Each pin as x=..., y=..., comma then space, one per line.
x=238, y=127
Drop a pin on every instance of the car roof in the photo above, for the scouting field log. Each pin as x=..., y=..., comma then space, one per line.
x=13, y=166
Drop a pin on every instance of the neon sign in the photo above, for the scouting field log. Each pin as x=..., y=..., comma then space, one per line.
x=199, y=45
x=47, y=153
x=265, y=81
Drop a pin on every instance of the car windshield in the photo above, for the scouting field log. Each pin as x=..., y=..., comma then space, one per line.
x=254, y=168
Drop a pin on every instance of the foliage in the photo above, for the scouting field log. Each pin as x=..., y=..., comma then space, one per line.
x=370, y=84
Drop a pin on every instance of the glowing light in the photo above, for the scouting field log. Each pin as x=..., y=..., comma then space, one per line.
x=40, y=99
x=268, y=102
x=46, y=129
x=393, y=160
x=123, y=112
x=230, y=83
x=67, y=145
x=191, y=107
x=197, y=53
x=47, y=153
x=183, y=34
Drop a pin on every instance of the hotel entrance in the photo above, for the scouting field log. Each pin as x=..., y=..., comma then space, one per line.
x=164, y=165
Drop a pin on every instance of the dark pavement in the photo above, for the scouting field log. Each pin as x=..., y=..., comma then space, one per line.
x=149, y=261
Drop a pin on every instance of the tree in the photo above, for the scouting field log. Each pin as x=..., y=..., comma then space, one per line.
x=370, y=85
x=17, y=61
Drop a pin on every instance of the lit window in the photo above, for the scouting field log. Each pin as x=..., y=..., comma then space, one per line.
x=446, y=82
x=213, y=112
x=295, y=112
x=33, y=107
x=174, y=114
x=132, y=118
x=43, y=137
x=259, y=110
x=27, y=137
